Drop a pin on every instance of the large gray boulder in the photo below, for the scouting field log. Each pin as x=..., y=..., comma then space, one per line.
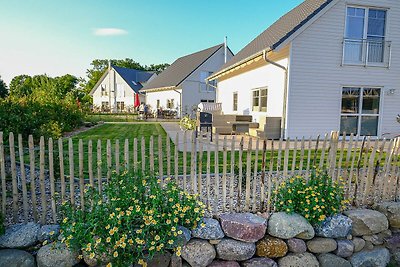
x=330, y=260
x=375, y=258
x=211, y=230
x=286, y=226
x=337, y=226
x=198, y=253
x=321, y=245
x=16, y=258
x=367, y=222
x=244, y=227
x=234, y=250
x=56, y=255
x=298, y=260
x=391, y=211
x=296, y=245
x=20, y=236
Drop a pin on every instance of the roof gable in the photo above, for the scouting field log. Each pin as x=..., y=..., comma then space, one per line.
x=134, y=78
x=178, y=71
x=280, y=31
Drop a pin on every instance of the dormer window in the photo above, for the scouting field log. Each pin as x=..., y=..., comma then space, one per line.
x=365, y=37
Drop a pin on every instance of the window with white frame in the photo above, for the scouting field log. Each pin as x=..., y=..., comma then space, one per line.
x=120, y=106
x=170, y=103
x=365, y=36
x=360, y=111
x=235, y=101
x=260, y=97
x=105, y=106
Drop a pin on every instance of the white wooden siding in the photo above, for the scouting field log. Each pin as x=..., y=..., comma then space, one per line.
x=316, y=76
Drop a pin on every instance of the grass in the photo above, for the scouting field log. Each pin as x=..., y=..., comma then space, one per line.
x=112, y=117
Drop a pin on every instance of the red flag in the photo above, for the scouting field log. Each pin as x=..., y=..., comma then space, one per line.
x=137, y=101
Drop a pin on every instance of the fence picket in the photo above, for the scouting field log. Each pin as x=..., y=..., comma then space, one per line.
x=302, y=147
x=255, y=177
x=309, y=158
x=248, y=175
x=52, y=184
x=176, y=158
x=143, y=154
x=224, y=163
x=3, y=175
x=160, y=160
x=32, y=172
x=62, y=170
x=193, y=156
x=135, y=155
x=108, y=147
x=81, y=177
x=240, y=175
x=216, y=173
x=292, y=171
x=90, y=162
x=200, y=169
x=271, y=167
x=23, y=177
x=232, y=176
x=43, y=200
x=184, y=161
x=117, y=162
x=286, y=159
x=99, y=165
x=71, y=171
x=13, y=177
x=168, y=151
x=126, y=154
x=370, y=172
x=322, y=158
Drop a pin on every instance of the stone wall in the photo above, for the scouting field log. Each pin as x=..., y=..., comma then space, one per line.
x=359, y=237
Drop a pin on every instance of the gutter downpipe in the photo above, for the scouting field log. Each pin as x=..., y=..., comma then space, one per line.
x=180, y=104
x=285, y=89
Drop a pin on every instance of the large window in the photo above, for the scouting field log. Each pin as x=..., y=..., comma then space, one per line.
x=170, y=103
x=365, y=36
x=260, y=99
x=105, y=106
x=235, y=101
x=120, y=106
x=203, y=82
x=360, y=111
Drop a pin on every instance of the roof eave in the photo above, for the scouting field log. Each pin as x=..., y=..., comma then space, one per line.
x=166, y=88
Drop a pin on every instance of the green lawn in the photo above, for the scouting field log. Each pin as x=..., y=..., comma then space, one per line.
x=112, y=117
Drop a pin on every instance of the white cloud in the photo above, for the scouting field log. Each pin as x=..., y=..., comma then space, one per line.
x=109, y=31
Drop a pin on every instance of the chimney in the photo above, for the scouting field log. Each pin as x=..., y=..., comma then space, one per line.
x=226, y=48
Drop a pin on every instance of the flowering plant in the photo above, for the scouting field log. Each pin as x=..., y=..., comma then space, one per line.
x=187, y=124
x=314, y=199
x=135, y=217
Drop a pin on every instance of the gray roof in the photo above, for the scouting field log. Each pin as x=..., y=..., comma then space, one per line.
x=278, y=32
x=178, y=71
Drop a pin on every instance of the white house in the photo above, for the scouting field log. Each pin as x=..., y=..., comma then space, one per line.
x=327, y=65
x=117, y=89
x=182, y=85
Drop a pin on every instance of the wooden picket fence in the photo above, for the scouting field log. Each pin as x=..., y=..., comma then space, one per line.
x=229, y=174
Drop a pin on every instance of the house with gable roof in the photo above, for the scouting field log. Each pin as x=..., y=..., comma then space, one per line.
x=182, y=86
x=118, y=88
x=327, y=65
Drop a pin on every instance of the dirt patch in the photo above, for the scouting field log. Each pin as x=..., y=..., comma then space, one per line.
x=83, y=128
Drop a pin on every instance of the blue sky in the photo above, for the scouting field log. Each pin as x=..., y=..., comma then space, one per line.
x=59, y=36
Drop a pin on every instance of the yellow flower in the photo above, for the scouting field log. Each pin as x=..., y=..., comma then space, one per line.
x=170, y=242
x=157, y=237
x=142, y=262
x=108, y=240
x=51, y=233
x=139, y=231
x=203, y=225
x=44, y=243
x=109, y=264
x=115, y=254
x=92, y=255
x=176, y=220
x=65, y=220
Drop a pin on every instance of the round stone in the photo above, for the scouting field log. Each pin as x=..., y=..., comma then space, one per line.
x=297, y=245
x=219, y=263
x=48, y=232
x=56, y=254
x=298, y=260
x=198, y=252
x=359, y=244
x=244, y=227
x=259, y=262
x=271, y=247
x=20, y=236
x=234, y=250
x=210, y=229
x=367, y=222
x=345, y=248
x=321, y=245
x=377, y=257
x=337, y=226
x=330, y=260
x=16, y=258
x=286, y=226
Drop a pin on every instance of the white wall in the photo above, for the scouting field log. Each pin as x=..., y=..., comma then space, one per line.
x=163, y=96
x=268, y=76
x=192, y=94
x=115, y=79
x=317, y=77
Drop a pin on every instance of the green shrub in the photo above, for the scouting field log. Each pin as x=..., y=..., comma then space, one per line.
x=133, y=218
x=314, y=199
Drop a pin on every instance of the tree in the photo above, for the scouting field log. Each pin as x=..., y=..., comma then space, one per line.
x=3, y=89
x=20, y=86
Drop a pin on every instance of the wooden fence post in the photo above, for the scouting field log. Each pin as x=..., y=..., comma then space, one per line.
x=90, y=163
x=62, y=170
x=42, y=181
x=32, y=170
x=3, y=175
x=52, y=182
x=81, y=177
x=99, y=167
x=23, y=177
x=71, y=171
